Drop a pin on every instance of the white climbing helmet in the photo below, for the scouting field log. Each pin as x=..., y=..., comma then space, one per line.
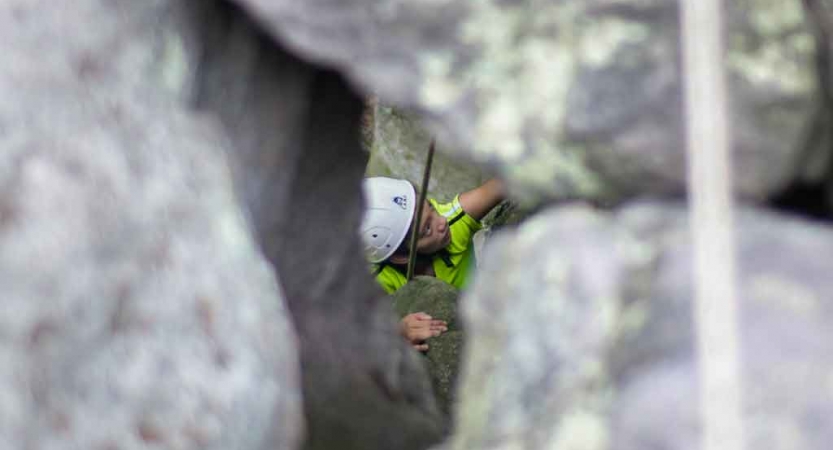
x=388, y=215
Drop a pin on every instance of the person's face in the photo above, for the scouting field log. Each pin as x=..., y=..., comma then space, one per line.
x=434, y=233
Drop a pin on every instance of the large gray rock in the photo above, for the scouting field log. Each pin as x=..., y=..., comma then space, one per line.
x=141, y=314
x=580, y=334
x=138, y=311
x=400, y=149
x=569, y=98
x=118, y=119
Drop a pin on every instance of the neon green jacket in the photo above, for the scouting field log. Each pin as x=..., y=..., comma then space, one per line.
x=452, y=267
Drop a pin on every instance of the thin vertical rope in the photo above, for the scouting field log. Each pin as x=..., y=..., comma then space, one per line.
x=426, y=175
x=709, y=187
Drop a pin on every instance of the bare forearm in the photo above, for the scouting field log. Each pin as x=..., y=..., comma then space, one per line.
x=479, y=201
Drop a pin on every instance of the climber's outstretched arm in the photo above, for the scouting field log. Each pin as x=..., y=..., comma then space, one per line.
x=480, y=200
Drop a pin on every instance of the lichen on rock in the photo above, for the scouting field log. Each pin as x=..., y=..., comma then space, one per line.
x=439, y=300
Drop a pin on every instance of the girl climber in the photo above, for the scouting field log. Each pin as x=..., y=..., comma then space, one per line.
x=444, y=241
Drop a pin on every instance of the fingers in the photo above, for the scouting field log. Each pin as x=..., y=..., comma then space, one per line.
x=423, y=347
x=420, y=316
x=420, y=326
x=438, y=327
x=437, y=330
x=422, y=334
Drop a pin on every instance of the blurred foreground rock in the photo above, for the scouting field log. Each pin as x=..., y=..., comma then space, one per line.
x=138, y=311
x=400, y=148
x=151, y=154
x=298, y=165
x=569, y=99
x=595, y=347
x=155, y=155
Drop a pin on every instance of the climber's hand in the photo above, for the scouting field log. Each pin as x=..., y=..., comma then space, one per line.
x=417, y=327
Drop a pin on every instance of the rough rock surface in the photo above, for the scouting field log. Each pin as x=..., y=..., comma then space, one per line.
x=143, y=312
x=603, y=344
x=400, y=149
x=444, y=357
x=439, y=300
x=570, y=98
x=431, y=295
x=138, y=311
x=298, y=167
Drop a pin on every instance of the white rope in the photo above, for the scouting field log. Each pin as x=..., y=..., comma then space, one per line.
x=709, y=185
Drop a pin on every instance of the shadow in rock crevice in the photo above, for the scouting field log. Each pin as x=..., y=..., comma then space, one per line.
x=297, y=163
x=812, y=195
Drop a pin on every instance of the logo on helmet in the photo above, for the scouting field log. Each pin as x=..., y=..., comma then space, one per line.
x=402, y=201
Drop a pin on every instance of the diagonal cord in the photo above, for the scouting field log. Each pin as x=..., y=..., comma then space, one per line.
x=418, y=219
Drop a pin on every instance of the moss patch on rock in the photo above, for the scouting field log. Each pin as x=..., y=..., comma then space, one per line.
x=439, y=300
x=429, y=295
x=443, y=357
